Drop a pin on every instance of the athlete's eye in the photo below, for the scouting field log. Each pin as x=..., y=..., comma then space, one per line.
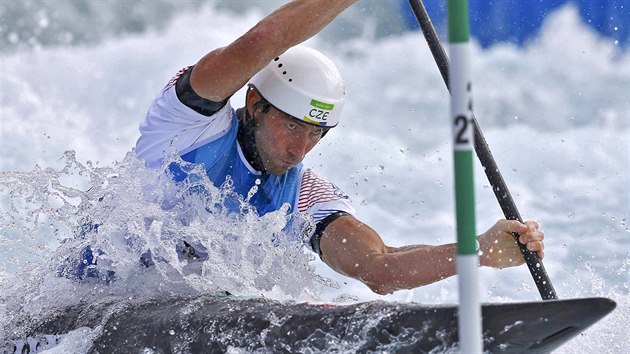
x=291, y=126
x=317, y=132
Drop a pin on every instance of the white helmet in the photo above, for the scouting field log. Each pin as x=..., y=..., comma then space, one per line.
x=305, y=84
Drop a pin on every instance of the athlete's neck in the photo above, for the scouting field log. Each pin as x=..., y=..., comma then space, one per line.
x=247, y=140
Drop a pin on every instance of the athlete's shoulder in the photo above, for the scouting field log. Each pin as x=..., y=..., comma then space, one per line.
x=187, y=95
x=176, y=77
x=317, y=189
x=170, y=122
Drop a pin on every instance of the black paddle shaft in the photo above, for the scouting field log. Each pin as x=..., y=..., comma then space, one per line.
x=491, y=169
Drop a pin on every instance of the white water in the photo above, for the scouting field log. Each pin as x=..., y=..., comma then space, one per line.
x=555, y=113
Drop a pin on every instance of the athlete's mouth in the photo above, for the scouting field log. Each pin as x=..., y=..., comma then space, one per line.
x=288, y=162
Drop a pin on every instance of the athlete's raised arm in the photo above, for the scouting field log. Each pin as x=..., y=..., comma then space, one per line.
x=222, y=72
x=354, y=249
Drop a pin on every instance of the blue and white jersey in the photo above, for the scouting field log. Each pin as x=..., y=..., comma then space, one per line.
x=211, y=139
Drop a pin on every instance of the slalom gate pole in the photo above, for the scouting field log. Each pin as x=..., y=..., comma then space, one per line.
x=469, y=317
x=501, y=191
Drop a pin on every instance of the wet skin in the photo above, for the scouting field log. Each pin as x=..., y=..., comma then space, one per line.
x=283, y=141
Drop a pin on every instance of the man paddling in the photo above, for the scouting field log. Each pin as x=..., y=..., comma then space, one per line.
x=295, y=96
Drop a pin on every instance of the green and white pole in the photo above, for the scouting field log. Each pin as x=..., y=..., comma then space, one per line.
x=470, y=331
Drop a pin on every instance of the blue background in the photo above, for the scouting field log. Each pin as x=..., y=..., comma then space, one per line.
x=517, y=21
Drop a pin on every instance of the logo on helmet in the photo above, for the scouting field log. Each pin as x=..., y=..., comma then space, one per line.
x=319, y=113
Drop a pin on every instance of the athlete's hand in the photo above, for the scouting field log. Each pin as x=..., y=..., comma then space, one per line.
x=498, y=248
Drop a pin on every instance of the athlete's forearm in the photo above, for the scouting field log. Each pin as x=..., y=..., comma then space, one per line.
x=356, y=250
x=222, y=72
x=411, y=266
x=299, y=20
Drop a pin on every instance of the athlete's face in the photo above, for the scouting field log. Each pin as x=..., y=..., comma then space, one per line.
x=283, y=141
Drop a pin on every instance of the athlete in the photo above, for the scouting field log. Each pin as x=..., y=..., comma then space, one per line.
x=294, y=97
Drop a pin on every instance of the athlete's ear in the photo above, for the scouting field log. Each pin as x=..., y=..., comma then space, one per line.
x=251, y=101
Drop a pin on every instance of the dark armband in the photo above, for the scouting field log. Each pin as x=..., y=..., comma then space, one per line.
x=320, y=227
x=191, y=99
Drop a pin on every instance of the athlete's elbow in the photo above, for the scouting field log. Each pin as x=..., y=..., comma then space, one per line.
x=267, y=35
x=381, y=282
x=381, y=288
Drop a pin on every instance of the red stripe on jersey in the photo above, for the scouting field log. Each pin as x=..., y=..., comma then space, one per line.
x=176, y=77
x=316, y=189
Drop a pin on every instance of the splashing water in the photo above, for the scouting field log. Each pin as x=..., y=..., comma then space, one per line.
x=569, y=149
x=133, y=220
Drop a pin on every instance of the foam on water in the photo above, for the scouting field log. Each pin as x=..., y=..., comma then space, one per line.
x=555, y=114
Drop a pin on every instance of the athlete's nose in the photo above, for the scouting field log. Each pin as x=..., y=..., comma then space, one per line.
x=298, y=146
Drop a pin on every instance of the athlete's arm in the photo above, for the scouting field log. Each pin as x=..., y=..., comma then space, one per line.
x=222, y=72
x=352, y=248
